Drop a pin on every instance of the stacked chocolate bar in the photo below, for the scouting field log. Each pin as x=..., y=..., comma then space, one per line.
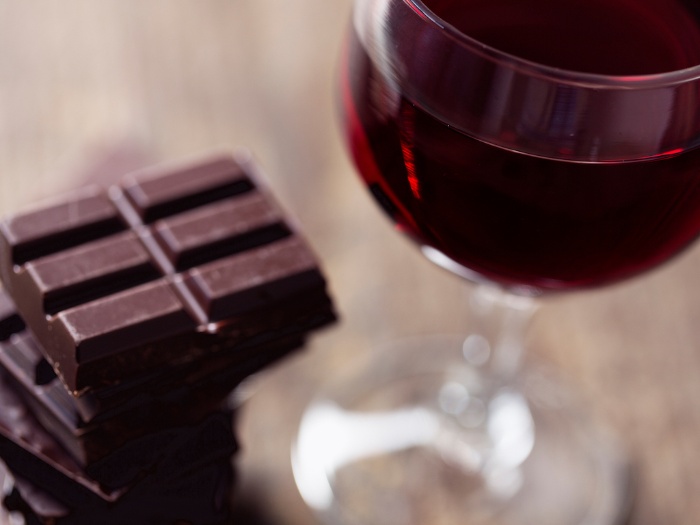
x=129, y=316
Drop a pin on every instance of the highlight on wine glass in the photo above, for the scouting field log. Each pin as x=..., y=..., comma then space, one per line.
x=530, y=147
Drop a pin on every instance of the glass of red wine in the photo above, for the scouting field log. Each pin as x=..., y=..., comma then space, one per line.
x=530, y=147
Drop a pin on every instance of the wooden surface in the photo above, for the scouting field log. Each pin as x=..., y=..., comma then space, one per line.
x=186, y=76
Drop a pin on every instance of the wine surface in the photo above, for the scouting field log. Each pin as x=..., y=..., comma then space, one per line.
x=609, y=37
x=519, y=219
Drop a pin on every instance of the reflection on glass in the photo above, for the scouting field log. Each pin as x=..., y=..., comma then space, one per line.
x=331, y=438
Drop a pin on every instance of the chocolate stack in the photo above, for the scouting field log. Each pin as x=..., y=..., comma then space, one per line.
x=130, y=315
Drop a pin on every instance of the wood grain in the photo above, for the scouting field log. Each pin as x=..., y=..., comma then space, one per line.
x=186, y=76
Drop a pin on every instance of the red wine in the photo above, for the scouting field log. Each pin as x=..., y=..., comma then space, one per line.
x=609, y=37
x=520, y=219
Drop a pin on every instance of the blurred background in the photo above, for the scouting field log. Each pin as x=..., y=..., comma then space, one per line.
x=181, y=77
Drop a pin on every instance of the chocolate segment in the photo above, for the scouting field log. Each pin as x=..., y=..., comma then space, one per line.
x=162, y=191
x=90, y=271
x=254, y=280
x=206, y=252
x=88, y=215
x=121, y=321
x=221, y=229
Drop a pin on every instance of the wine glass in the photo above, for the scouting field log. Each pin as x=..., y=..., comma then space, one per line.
x=530, y=147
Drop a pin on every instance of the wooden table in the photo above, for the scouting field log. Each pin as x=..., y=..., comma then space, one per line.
x=185, y=76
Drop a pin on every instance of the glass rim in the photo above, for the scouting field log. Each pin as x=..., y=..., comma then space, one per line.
x=560, y=75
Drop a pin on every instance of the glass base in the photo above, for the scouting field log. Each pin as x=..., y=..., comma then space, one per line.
x=409, y=443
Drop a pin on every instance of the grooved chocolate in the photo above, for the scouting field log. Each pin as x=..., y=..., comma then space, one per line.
x=185, y=187
x=174, y=263
x=172, y=397
x=75, y=276
x=87, y=215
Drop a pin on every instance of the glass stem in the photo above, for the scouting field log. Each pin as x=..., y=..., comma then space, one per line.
x=487, y=424
x=496, y=343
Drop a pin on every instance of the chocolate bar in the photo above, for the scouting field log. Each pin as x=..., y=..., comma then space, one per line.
x=117, y=452
x=31, y=452
x=173, y=264
x=137, y=309
x=172, y=398
x=203, y=498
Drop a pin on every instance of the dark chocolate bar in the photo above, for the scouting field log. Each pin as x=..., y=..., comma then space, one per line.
x=202, y=498
x=172, y=398
x=31, y=452
x=173, y=264
x=182, y=384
